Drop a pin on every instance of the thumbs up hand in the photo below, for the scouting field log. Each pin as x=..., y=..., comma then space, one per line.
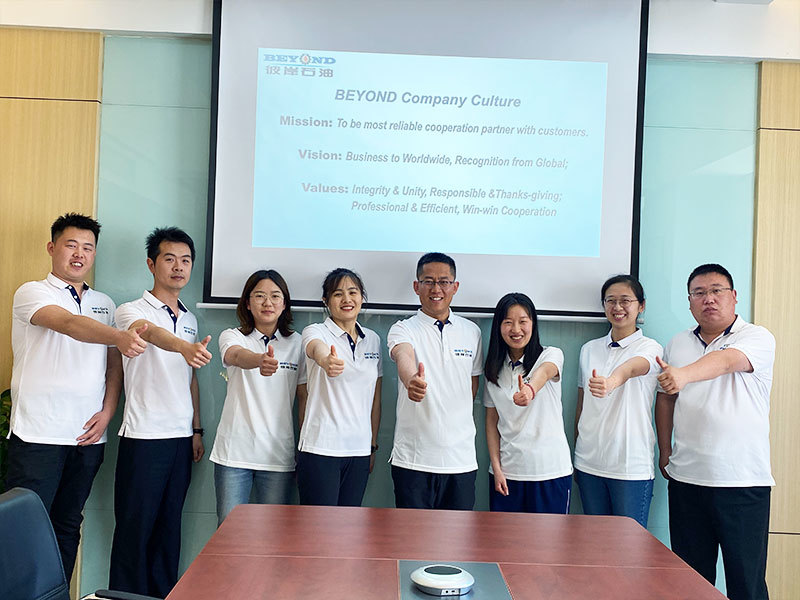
x=269, y=364
x=130, y=343
x=600, y=386
x=197, y=355
x=525, y=394
x=417, y=385
x=332, y=364
x=671, y=378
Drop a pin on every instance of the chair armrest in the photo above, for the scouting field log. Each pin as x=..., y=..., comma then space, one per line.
x=112, y=595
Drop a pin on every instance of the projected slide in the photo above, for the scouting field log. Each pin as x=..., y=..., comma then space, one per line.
x=367, y=151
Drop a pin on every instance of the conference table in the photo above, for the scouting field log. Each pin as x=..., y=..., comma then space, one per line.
x=316, y=552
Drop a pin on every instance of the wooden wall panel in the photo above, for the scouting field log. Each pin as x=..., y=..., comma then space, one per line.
x=47, y=167
x=776, y=289
x=779, y=96
x=47, y=63
x=783, y=576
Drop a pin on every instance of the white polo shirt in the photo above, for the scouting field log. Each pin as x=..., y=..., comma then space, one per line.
x=158, y=401
x=721, y=426
x=533, y=445
x=338, y=412
x=437, y=435
x=256, y=430
x=615, y=433
x=57, y=382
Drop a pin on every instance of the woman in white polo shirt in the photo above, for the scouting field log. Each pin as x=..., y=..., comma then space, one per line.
x=613, y=422
x=339, y=421
x=530, y=465
x=254, y=447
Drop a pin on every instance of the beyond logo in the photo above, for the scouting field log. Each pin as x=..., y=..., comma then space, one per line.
x=299, y=59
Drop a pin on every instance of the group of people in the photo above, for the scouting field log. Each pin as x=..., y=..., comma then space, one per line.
x=73, y=350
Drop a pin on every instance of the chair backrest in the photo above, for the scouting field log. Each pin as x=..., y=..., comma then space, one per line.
x=30, y=562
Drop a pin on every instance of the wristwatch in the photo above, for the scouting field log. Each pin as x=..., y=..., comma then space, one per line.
x=199, y=430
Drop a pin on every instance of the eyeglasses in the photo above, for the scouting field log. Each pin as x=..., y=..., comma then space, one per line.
x=261, y=297
x=623, y=302
x=442, y=283
x=713, y=293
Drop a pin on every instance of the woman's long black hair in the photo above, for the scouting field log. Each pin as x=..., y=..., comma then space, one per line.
x=498, y=349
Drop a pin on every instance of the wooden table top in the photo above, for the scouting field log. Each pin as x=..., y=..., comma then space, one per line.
x=286, y=552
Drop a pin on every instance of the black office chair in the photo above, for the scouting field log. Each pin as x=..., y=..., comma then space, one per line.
x=30, y=562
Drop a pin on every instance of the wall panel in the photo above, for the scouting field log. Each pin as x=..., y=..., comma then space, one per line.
x=780, y=96
x=776, y=287
x=48, y=63
x=783, y=576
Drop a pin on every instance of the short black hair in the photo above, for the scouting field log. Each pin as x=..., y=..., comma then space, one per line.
x=76, y=220
x=498, y=349
x=166, y=234
x=334, y=278
x=710, y=268
x=435, y=257
x=630, y=280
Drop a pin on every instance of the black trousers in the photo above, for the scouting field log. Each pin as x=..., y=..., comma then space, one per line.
x=62, y=476
x=150, y=487
x=703, y=519
x=331, y=480
x=420, y=489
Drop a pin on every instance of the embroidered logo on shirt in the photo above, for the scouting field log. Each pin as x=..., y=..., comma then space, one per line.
x=287, y=365
x=463, y=352
x=372, y=355
x=189, y=330
x=100, y=310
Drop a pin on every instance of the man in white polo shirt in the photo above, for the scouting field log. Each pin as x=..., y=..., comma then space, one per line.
x=161, y=433
x=439, y=360
x=716, y=382
x=66, y=380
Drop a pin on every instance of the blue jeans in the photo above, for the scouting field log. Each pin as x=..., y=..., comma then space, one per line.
x=233, y=486
x=618, y=497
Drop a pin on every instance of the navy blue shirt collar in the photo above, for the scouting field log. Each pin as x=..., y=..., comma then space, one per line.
x=728, y=329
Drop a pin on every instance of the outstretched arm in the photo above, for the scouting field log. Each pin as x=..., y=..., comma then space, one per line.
x=537, y=380
x=195, y=354
x=243, y=358
x=85, y=329
x=325, y=356
x=601, y=386
x=710, y=366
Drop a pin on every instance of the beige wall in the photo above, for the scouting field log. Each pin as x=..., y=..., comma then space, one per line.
x=776, y=290
x=49, y=118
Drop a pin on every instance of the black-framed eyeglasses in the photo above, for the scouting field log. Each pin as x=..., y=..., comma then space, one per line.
x=442, y=283
x=713, y=293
